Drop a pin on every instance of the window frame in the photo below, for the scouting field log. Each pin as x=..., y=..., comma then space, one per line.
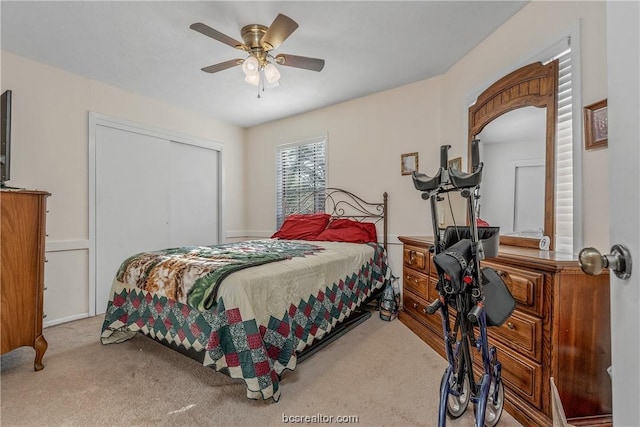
x=280, y=212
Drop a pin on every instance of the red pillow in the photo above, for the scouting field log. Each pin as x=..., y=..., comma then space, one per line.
x=302, y=226
x=482, y=223
x=347, y=230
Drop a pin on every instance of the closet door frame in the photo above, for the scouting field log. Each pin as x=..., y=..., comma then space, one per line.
x=98, y=119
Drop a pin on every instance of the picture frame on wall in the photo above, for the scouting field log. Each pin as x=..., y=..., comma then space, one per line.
x=455, y=163
x=408, y=163
x=596, y=125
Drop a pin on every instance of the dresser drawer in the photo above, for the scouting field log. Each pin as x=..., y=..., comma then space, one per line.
x=420, y=284
x=525, y=285
x=416, y=282
x=417, y=258
x=416, y=307
x=521, y=376
x=432, y=292
x=522, y=333
x=432, y=267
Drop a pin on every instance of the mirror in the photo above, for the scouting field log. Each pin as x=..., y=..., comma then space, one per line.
x=515, y=121
x=512, y=148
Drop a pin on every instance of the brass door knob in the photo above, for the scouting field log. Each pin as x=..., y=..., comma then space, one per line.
x=592, y=262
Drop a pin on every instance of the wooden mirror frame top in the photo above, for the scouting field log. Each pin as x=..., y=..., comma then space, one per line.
x=532, y=85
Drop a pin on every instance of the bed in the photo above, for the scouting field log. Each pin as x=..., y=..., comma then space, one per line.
x=256, y=308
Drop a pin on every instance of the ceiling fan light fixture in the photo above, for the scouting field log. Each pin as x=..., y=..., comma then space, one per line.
x=271, y=85
x=250, y=66
x=271, y=73
x=253, y=79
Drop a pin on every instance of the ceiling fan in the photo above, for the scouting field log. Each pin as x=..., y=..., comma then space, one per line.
x=259, y=41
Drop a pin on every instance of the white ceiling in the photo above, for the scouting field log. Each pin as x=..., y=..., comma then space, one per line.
x=146, y=47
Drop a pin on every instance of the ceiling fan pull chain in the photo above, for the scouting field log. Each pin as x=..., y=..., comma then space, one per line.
x=262, y=78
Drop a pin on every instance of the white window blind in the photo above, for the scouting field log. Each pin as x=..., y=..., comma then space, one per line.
x=300, y=170
x=564, y=158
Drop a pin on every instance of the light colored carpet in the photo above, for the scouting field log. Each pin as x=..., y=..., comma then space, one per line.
x=380, y=372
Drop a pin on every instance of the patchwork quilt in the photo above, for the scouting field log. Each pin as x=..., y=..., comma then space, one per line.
x=249, y=306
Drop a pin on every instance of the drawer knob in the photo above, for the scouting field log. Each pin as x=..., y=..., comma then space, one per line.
x=412, y=279
x=415, y=305
x=506, y=278
x=510, y=325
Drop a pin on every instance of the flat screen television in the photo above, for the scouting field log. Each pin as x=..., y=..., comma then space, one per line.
x=5, y=149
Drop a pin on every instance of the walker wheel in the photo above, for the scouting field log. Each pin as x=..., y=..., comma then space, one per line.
x=457, y=405
x=493, y=411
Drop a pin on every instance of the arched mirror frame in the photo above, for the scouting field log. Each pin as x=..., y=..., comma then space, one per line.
x=532, y=85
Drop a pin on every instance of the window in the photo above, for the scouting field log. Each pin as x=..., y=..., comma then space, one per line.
x=300, y=170
x=564, y=158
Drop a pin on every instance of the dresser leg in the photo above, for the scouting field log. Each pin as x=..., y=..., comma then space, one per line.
x=40, y=346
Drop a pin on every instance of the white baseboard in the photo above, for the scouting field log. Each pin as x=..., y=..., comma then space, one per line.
x=54, y=322
x=247, y=233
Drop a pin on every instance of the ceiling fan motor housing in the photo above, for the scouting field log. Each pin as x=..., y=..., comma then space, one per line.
x=252, y=35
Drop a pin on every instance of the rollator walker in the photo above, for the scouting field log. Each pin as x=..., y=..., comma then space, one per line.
x=476, y=297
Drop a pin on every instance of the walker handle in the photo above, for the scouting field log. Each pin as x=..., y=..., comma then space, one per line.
x=434, y=306
x=474, y=314
x=444, y=158
x=475, y=154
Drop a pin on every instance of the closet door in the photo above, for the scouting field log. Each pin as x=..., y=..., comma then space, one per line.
x=133, y=177
x=153, y=190
x=194, y=195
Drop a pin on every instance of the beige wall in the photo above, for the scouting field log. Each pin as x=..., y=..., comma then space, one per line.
x=368, y=135
x=50, y=152
x=365, y=139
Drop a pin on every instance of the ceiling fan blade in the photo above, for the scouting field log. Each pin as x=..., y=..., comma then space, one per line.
x=217, y=35
x=280, y=29
x=222, y=66
x=313, y=64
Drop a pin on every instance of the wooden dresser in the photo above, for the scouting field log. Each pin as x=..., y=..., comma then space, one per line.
x=22, y=240
x=560, y=329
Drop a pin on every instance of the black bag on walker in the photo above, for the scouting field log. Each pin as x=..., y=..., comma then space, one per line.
x=498, y=301
x=489, y=236
x=452, y=263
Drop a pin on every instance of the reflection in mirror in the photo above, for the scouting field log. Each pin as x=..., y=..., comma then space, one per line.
x=512, y=148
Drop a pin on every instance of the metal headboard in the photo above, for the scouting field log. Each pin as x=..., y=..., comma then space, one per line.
x=341, y=203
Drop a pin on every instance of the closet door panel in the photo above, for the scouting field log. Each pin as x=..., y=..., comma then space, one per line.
x=194, y=195
x=132, y=201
